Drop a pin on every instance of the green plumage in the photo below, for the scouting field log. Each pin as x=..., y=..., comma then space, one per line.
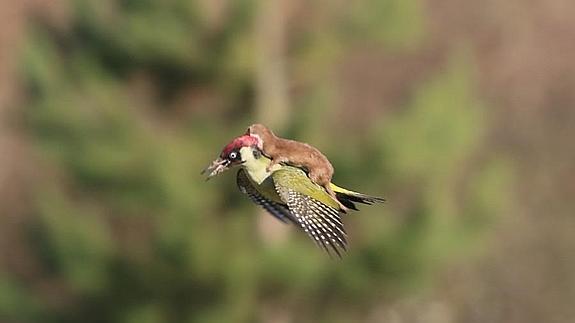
x=297, y=180
x=288, y=194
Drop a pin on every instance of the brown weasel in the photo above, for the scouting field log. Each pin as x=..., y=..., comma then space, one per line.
x=295, y=153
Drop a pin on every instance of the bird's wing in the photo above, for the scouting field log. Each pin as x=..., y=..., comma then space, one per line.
x=246, y=186
x=296, y=178
x=320, y=221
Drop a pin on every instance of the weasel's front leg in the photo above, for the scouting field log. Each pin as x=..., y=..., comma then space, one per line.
x=275, y=161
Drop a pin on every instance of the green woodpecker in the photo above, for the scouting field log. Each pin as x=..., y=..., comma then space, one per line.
x=288, y=193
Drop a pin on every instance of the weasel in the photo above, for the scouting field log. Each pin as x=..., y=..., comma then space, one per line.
x=295, y=153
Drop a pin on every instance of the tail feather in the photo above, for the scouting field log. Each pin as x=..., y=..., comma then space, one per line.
x=348, y=198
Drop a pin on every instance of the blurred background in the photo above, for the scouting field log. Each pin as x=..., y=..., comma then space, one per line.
x=460, y=113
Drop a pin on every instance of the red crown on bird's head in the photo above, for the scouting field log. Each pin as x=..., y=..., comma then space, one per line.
x=242, y=141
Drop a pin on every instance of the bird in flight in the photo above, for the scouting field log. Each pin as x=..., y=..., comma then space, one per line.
x=287, y=193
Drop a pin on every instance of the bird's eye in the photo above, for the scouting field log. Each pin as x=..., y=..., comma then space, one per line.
x=257, y=154
x=233, y=155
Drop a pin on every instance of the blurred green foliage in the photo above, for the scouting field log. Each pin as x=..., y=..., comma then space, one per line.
x=128, y=231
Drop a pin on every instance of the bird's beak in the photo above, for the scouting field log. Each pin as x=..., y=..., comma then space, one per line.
x=216, y=167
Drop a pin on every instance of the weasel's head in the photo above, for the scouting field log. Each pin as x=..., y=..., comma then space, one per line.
x=260, y=132
x=231, y=155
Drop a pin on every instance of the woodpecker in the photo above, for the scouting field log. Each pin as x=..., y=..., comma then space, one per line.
x=288, y=194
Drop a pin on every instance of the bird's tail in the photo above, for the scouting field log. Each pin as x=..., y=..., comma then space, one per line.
x=348, y=198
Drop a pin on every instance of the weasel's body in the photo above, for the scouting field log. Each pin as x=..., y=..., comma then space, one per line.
x=295, y=153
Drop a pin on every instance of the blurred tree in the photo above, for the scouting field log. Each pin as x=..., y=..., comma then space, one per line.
x=131, y=100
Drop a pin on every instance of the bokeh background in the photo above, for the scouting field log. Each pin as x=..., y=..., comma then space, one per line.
x=460, y=113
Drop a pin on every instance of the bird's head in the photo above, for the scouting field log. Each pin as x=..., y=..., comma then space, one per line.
x=231, y=155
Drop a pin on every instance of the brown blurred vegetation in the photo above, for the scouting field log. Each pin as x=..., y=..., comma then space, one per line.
x=515, y=56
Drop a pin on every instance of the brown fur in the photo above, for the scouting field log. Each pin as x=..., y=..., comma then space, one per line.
x=298, y=154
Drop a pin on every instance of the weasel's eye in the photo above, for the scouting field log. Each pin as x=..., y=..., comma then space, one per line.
x=233, y=155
